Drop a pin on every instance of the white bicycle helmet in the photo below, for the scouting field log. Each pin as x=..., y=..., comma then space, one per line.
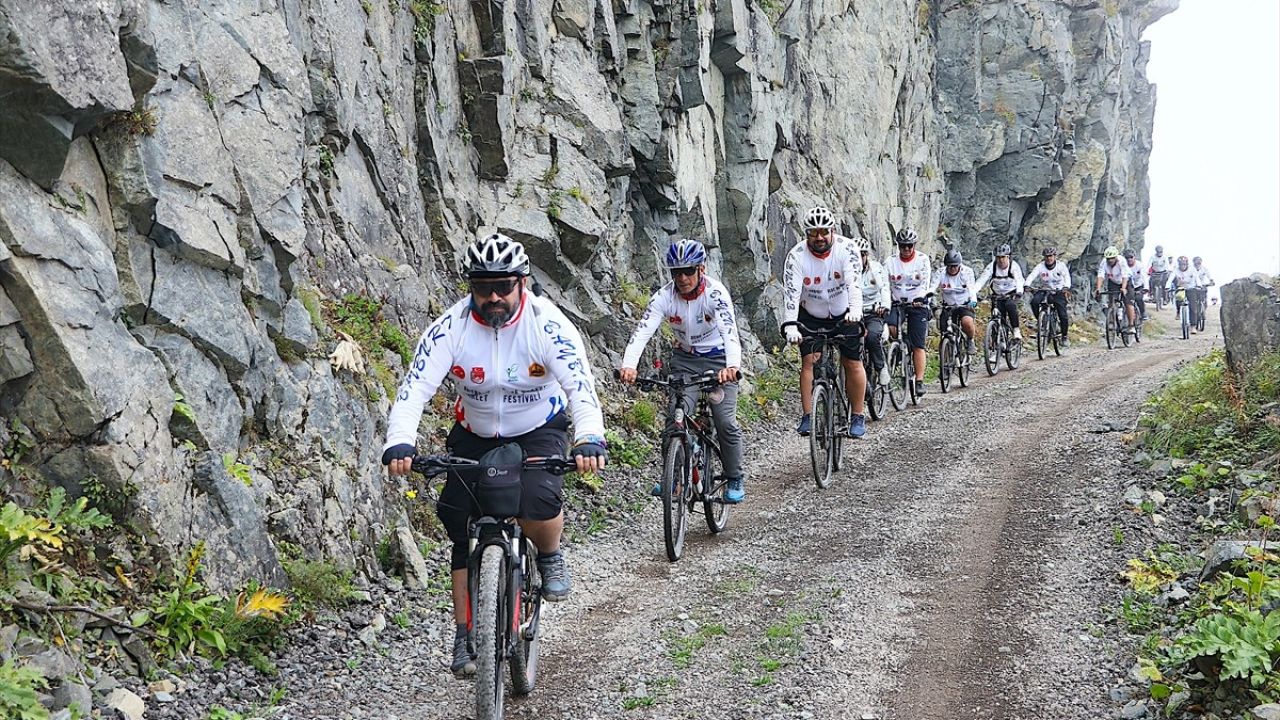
x=863, y=244
x=818, y=218
x=495, y=255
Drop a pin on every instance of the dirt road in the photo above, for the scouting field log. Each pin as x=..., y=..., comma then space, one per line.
x=954, y=569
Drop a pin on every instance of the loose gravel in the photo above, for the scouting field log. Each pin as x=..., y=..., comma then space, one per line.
x=961, y=565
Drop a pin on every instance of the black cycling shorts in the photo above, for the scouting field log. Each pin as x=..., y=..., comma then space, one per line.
x=917, y=319
x=541, y=492
x=850, y=336
x=959, y=312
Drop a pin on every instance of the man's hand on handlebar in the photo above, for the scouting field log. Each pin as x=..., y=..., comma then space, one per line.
x=793, y=335
x=627, y=375
x=729, y=374
x=399, y=458
x=589, y=455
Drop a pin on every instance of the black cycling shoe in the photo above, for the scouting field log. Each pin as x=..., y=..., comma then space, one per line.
x=463, y=664
x=920, y=387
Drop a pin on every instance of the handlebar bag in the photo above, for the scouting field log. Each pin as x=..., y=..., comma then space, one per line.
x=497, y=481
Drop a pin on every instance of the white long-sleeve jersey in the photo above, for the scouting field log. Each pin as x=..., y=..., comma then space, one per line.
x=1161, y=263
x=826, y=287
x=1117, y=273
x=875, y=286
x=1055, y=278
x=511, y=380
x=704, y=325
x=1183, y=279
x=1137, y=276
x=958, y=289
x=1203, y=276
x=1003, y=281
x=908, y=280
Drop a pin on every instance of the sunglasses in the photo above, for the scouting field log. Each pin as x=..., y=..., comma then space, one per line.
x=485, y=288
x=817, y=233
x=684, y=271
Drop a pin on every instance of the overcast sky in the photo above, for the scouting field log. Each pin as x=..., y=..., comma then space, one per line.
x=1215, y=164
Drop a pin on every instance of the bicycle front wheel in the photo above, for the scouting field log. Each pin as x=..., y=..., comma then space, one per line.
x=487, y=624
x=876, y=394
x=524, y=661
x=714, y=507
x=991, y=348
x=1013, y=353
x=897, y=377
x=1042, y=333
x=946, y=360
x=1184, y=315
x=1122, y=326
x=675, y=489
x=963, y=361
x=820, y=437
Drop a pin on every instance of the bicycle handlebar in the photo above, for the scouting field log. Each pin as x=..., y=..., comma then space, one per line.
x=708, y=379
x=432, y=465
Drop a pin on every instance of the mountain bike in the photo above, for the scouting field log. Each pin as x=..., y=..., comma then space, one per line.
x=999, y=340
x=1202, y=306
x=829, y=407
x=503, y=582
x=1115, y=322
x=1159, y=295
x=1047, y=331
x=1184, y=311
x=692, y=463
x=953, y=353
x=902, y=364
x=877, y=393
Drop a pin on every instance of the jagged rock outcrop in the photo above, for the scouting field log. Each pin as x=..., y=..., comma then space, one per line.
x=196, y=197
x=1250, y=320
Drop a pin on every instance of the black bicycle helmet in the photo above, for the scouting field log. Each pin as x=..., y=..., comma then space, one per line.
x=907, y=236
x=953, y=257
x=1129, y=254
x=1048, y=251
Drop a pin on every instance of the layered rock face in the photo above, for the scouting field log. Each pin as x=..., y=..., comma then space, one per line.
x=1047, y=118
x=1250, y=320
x=196, y=196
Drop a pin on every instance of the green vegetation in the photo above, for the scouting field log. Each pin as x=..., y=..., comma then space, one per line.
x=782, y=643
x=769, y=388
x=360, y=317
x=773, y=9
x=1206, y=411
x=631, y=452
x=18, y=688
x=681, y=648
x=424, y=14
x=1222, y=644
x=319, y=583
x=139, y=121
x=237, y=470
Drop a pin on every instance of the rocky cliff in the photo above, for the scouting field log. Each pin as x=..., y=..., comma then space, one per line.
x=200, y=198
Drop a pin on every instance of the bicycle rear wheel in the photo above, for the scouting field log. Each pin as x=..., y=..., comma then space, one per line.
x=714, y=507
x=820, y=437
x=1122, y=325
x=897, y=376
x=490, y=590
x=991, y=348
x=876, y=393
x=840, y=411
x=1110, y=329
x=1200, y=320
x=524, y=661
x=946, y=360
x=1184, y=316
x=675, y=490
x=963, y=361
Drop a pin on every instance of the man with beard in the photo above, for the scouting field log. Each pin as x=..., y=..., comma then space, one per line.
x=909, y=278
x=518, y=364
x=1054, y=287
x=699, y=312
x=822, y=290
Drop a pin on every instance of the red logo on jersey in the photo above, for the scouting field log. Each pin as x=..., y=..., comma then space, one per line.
x=536, y=370
x=817, y=280
x=837, y=275
x=477, y=375
x=808, y=281
x=675, y=320
x=458, y=372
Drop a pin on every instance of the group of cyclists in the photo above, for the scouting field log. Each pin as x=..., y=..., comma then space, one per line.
x=521, y=369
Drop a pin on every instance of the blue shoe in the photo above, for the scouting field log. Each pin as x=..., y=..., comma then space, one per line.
x=657, y=489
x=858, y=427
x=806, y=423
x=733, y=493
x=556, y=582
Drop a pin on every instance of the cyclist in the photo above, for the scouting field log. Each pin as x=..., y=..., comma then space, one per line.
x=822, y=289
x=959, y=294
x=518, y=364
x=1137, y=282
x=909, y=278
x=1205, y=281
x=1055, y=283
x=1005, y=277
x=1116, y=274
x=1158, y=270
x=1185, y=278
x=699, y=311
x=875, y=305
